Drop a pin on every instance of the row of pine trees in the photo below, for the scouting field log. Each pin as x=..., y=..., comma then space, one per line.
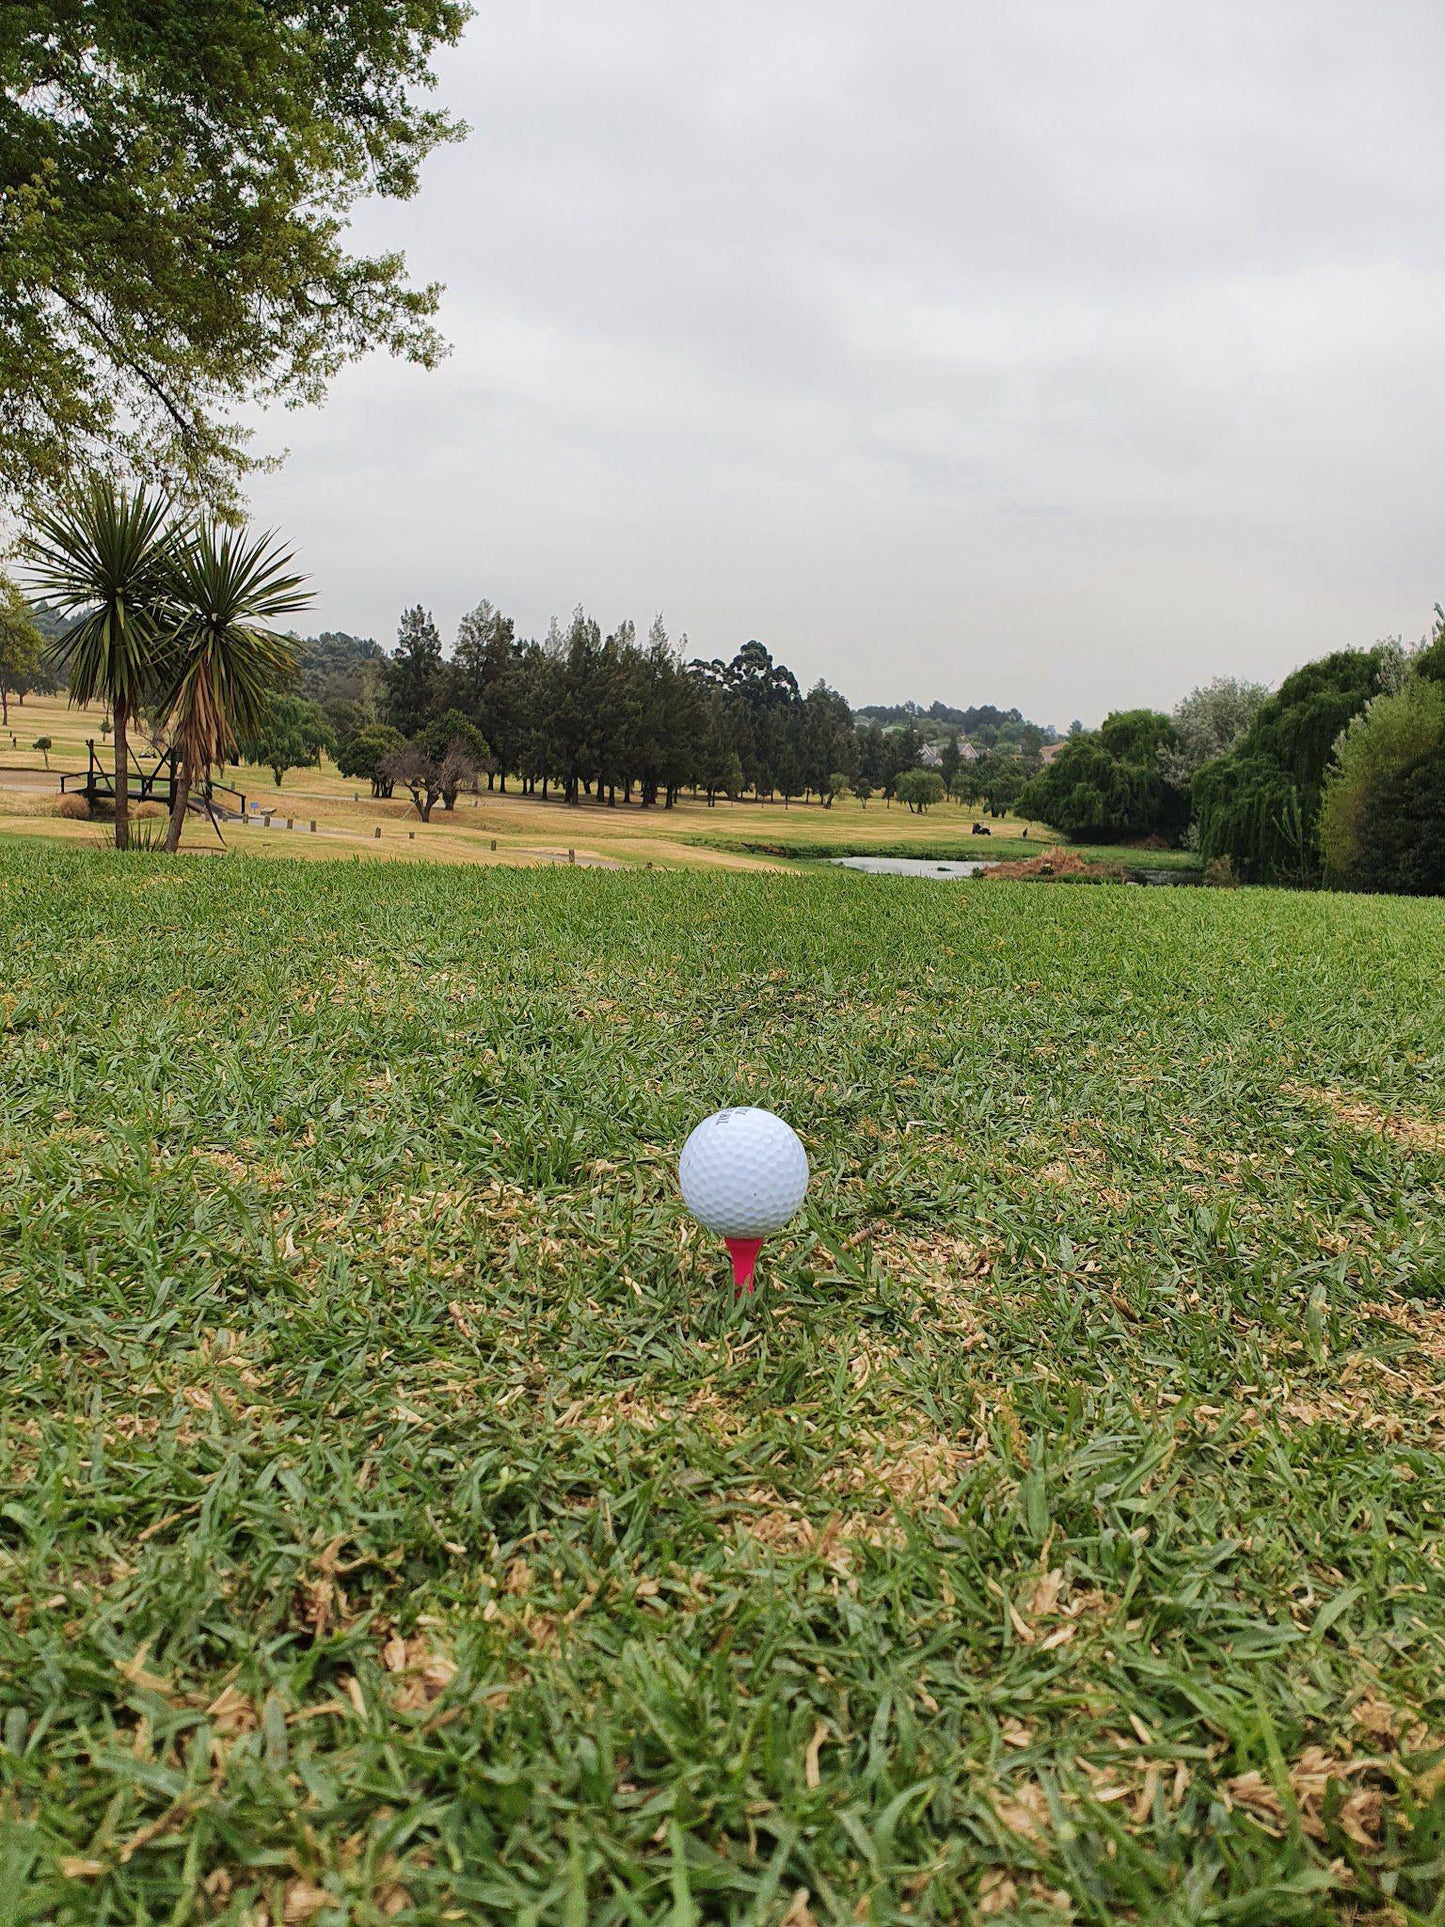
x=616, y=717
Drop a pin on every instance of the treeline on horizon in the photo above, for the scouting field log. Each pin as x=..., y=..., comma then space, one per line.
x=612, y=717
x=1337, y=777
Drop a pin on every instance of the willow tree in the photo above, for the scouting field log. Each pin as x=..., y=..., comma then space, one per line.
x=175, y=186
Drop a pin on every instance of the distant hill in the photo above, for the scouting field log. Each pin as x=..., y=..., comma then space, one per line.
x=332, y=665
x=47, y=620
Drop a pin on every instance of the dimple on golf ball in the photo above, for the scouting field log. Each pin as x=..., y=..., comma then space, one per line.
x=744, y=1173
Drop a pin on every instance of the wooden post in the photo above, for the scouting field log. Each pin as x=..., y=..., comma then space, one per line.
x=571, y=856
x=494, y=843
x=313, y=826
x=378, y=833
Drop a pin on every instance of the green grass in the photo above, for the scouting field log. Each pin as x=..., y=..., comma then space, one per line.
x=398, y=1518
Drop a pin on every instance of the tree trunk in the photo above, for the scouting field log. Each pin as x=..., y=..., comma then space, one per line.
x=122, y=778
x=179, y=803
x=4, y=705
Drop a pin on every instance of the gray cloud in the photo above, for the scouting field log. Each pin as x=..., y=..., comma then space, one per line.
x=1050, y=352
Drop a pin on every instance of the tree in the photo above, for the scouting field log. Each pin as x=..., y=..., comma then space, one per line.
x=226, y=664
x=950, y=760
x=20, y=645
x=286, y=733
x=719, y=767
x=1430, y=662
x=44, y=745
x=919, y=788
x=837, y=784
x=458, y=750
x=862, y=789
x=573, y=730
x=489, y=685
x=1000, y=780
x=103, y=558
x=1208, y=723
x=1381, y=825
x=434, y=765
x=369, y=754
x=828, y=741
x=1260, y=804
x=175, y=186
x=413, y=672
x=1108, y=785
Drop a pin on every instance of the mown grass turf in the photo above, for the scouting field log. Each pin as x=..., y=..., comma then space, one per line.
x=398, y=1519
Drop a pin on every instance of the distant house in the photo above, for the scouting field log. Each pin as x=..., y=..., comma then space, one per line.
x=930, y=756
x=966, y=751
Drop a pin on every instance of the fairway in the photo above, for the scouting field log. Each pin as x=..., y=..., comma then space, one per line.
x=399, y=1519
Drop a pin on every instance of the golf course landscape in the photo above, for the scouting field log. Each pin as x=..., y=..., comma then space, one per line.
x=488, y=827
x=400, y=1518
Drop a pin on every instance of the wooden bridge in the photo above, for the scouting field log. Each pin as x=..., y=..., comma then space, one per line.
x=156, y=784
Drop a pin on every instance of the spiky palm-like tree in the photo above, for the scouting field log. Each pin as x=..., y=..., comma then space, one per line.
x=104, y=558
x=226, y=663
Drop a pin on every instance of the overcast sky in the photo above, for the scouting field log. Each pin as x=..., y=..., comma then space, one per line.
x=1063, y=353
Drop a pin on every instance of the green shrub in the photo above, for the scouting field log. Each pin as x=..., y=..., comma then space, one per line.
x=1382, y=825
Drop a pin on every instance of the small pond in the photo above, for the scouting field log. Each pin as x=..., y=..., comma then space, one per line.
x=908, y=866
x=914, y=866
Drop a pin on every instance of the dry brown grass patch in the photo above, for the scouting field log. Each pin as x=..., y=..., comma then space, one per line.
x=1422, y=1133
x=907, y=1469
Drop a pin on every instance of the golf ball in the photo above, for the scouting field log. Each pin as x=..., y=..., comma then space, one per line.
x=743, y=1173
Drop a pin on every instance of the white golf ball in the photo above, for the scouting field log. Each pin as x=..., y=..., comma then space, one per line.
x=743, y=1173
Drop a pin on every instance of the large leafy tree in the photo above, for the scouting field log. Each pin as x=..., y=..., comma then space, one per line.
x=1208, y=722
x=175, y=182
x=919, y=789
x=1108, y=785
x=104, y=559
x=290, y=733
x=226, y=663
x=19, y=645
x=369, y=753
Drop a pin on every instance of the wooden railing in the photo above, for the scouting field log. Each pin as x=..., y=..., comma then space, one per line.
x=154, y=785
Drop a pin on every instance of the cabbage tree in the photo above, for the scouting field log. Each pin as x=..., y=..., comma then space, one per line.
x=103, y=558
x=227, y=662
